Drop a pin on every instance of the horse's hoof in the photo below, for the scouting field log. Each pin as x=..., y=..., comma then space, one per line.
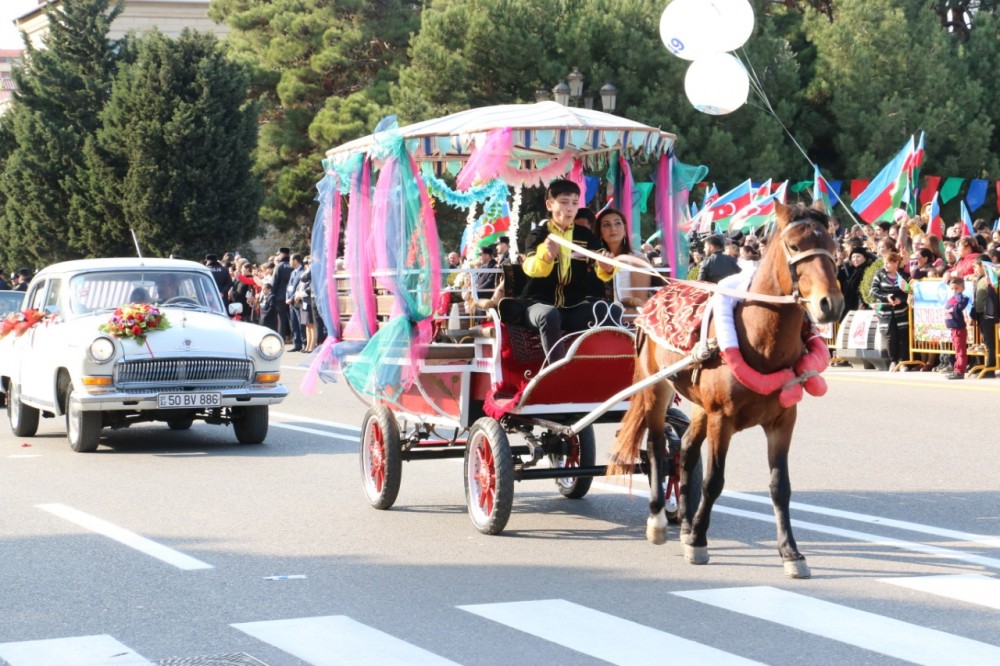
x=696, y=554
x=656, y=529
x=797, y=569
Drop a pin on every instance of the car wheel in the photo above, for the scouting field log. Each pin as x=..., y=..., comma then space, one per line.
x=83, y=429
x=250, y=424
x=23, y=419
x=381, y=457
x=180, y=424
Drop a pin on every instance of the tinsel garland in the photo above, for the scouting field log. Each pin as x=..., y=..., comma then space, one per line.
x=437, y=188
x=515, y=219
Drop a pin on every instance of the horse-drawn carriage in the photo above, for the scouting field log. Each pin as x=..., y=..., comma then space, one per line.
x=439, y=393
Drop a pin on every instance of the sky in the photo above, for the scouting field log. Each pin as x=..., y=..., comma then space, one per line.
x=9, y=10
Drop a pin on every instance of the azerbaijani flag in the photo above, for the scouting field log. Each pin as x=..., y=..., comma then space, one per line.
x=760, y=212
x=967, y=228
x=884, y=193
x=822, y=190
x=720, y=211
x=935, y=226
x=492, y=230
x=913, y=167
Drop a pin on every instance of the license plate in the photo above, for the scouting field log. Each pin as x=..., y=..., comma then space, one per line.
x=188, y=400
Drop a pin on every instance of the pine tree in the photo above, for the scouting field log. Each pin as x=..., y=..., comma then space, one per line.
x=173, y=160
x=61, y=90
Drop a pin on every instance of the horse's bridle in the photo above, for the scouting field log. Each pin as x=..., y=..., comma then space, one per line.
x=794, y=258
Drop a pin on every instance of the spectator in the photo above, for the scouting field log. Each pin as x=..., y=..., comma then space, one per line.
x=965, y=263
x=888, y=289
x=986, y=309
x=268, y=308
x=294, y=324
x=244, y=292
x=503, y=251
x=220, y=273
x=586, y=218
x=279, y=285
x=486, y=282
x=717, y=264
x=954, y=319
x=850, y=277
x=304, y=304
x=23, y=276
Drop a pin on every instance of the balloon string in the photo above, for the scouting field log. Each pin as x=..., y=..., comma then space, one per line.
x=758, y=88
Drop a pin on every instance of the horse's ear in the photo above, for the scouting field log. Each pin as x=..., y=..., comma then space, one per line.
x=781, y=211
x=818, y=206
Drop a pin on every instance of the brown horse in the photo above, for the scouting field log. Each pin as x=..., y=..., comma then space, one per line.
x=799, y=262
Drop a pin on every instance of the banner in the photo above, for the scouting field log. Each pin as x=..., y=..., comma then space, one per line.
x=929, y=297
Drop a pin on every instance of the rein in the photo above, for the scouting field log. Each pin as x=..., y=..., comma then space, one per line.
x=705, y=286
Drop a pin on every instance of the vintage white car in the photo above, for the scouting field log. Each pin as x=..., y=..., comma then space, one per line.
x=197, y=365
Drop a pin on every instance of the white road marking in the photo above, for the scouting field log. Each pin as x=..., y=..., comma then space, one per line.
x=337, y=640
x=600, y=635
x=937, y=551
x=306, y=419
x=79, y=651
x=970, y=588
x=314, y=431
x=123, y=536
x=993, y=542
x=25, y=455
x=869, y=631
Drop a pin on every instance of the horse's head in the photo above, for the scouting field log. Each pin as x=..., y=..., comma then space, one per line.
x=810, y=253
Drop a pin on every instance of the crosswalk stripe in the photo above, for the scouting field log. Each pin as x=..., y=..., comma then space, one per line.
x=338, y=640
x=77, y=651
x=600, y=635
x=877, y=633
x=971, y=588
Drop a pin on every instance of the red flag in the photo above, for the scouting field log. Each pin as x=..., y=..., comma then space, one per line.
x=930, y=188
x=857, y=187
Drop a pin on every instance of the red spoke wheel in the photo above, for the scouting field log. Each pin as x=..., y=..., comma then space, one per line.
x=381, y=457
x=582, y=453
x=489, y=476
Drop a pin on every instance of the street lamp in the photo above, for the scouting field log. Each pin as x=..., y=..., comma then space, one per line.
x=570, y=92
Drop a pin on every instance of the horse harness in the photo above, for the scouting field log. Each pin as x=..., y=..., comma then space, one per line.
x=796, y=257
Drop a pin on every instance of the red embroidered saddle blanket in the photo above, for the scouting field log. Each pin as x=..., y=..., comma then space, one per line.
x=673, y=315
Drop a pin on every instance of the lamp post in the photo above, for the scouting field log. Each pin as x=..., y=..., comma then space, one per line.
x=571, y=92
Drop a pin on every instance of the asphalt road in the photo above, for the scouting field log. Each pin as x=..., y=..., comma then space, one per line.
x=174, y=548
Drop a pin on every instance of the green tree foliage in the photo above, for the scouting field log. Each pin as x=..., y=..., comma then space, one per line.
x=173, y=159
x=61, y=90
x=322, y=71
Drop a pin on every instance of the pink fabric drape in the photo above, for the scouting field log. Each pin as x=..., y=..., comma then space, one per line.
x=488, y=159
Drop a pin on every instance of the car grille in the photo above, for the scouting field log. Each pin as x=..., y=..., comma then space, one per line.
x=200, y=372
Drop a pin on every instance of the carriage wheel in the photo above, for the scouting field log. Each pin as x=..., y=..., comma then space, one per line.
x=582, y=453
x=489, y=476
x=679, y=421
x=381, y=457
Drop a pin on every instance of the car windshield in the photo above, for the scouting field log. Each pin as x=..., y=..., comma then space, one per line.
x=10, y=301
x=107, y=290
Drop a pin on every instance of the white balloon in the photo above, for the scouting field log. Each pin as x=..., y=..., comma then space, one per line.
x=735, y=25
x=687, y=27
x=717, y=84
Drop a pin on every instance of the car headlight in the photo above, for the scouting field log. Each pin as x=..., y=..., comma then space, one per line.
x=271, y=346
x=102, y=350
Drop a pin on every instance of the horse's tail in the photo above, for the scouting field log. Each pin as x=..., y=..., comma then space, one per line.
x=628, y=439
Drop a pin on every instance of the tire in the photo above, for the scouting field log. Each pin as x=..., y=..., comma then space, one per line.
x=23, y=419
x=583, y=453
x=250, y=424
x=83, y=429
x=381, y=457
x=180, y=424
x=489, y=476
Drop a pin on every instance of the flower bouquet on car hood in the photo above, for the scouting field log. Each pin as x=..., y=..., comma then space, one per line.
x=135, y=321
x=18, y=323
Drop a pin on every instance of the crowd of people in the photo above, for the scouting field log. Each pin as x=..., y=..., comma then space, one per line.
x=277, y=293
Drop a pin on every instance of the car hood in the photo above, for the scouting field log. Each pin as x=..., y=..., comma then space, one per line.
x=191, y=333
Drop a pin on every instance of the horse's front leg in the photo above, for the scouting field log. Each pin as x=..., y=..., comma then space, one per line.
x=779, y=439
x=656, y=448
x=689, y=485
x=718, y=432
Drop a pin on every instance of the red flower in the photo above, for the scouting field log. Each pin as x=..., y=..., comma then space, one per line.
x=137, y=330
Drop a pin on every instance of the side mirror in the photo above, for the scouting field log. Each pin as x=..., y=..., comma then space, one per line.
x=235, y=309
